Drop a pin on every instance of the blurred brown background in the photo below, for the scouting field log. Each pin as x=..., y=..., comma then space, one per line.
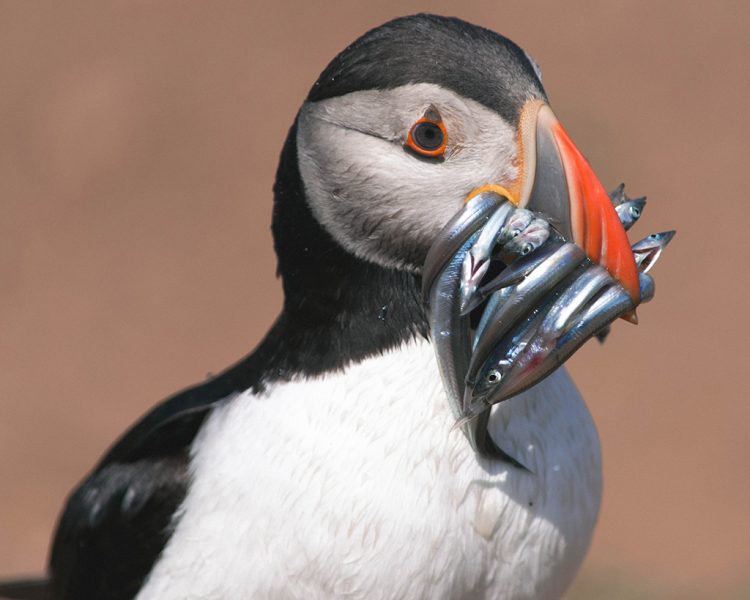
x=138, y=144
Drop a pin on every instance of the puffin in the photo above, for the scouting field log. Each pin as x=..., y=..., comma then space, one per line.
x=326, y=463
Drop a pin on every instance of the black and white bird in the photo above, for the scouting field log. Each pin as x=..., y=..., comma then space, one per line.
x=326, y=463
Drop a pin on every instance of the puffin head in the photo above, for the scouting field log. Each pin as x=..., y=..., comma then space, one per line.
x=398, y=132
x=403, y=125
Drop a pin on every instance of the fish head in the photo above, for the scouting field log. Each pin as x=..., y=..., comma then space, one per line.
x=648, y=250
x=629, y=212
x=482, y=394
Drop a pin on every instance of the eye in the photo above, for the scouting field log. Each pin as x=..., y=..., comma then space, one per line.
x=428, y=137
x=494, y=376
x=634, y=212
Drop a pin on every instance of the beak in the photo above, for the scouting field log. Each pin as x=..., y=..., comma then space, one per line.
x=557, y=181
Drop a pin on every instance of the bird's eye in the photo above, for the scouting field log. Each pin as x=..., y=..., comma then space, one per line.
x=428, y=137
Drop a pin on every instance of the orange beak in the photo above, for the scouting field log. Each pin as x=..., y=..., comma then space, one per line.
x=558, y=182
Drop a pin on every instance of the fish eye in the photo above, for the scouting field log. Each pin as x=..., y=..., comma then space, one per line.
x=494, y=376
x=428, y=137
x=526, y=249
x=634, y=212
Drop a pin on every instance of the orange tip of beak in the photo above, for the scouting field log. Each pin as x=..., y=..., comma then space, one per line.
x=594, y=222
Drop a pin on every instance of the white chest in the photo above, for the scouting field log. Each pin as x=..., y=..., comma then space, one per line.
x=356, y=485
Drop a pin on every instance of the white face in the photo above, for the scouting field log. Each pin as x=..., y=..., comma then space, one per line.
x=381, y=201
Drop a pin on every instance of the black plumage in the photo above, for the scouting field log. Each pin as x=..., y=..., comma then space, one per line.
x=338, y=308
x=472, y=61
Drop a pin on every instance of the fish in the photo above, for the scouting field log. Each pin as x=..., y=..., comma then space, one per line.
x=629, y=212
x=454, y=234
x=525, y=242
x=516, y=223
x=476, y=262
x=548, y=299
x=520, y=300
x=526, y=351
x=512, y=275
x=449, y=330
x=548, y=336
x=451, y=338
x=648, y=250
x=519, y=261
x=617, y=196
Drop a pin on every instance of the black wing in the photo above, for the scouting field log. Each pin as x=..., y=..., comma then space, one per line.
x=113, y=528
x=23, y=589
x=116, y=523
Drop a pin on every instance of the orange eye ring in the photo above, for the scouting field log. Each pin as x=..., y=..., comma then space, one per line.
x=428, y=137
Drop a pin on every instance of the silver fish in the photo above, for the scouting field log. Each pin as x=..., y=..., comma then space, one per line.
x=487, y=383
x=532, y=237
x=629, y=212
x=451, y=338
x=617, y=196
x=550, y=335
x=477, y=259
x=503, y=285
x=449, y=330
x=455, y=233
x=512, y=274
x=536, y=336
x=542, y=307
x=520, y=300
x=516, y=223
x=647, y=285
x=572, y=301
x=648, y=250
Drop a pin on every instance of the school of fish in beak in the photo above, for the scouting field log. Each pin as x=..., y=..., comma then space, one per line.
x=511, y=299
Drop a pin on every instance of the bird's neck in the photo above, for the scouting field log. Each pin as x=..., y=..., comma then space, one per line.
x=338, y=308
